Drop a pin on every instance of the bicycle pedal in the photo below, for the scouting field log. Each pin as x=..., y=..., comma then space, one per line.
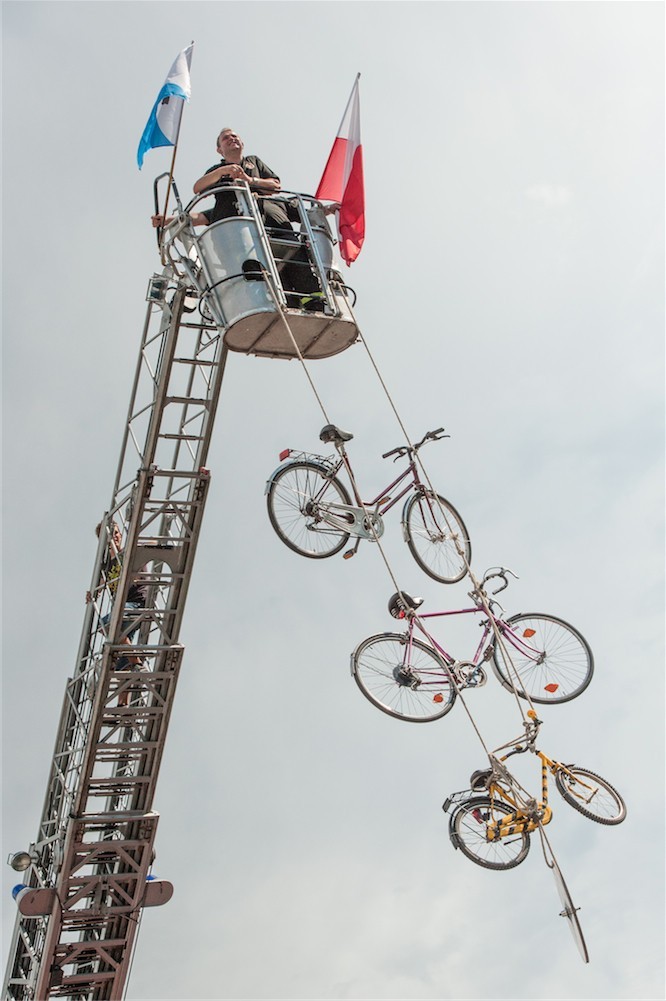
x=348, y=555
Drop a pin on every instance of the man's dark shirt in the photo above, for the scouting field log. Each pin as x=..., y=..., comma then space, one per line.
x=225, y=201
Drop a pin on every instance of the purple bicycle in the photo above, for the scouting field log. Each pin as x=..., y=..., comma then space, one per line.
x=311, y=510
x=541, y=656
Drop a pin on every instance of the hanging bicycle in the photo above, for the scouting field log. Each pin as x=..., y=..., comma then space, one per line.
x=540, y=656
x=492, y=820
x=311, y=510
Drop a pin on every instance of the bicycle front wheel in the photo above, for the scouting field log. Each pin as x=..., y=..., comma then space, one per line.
x=469, y=827
x=569, y=912
x=437, y=537
x=591, y=795
x=297, y=499
x=546, y=659
x=409, y=683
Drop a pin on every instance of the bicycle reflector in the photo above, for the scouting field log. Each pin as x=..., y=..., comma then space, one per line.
x=284, y=454
x=528, y=633
x=552, y=687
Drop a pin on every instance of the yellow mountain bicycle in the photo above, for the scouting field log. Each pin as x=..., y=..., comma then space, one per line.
x=493, y=829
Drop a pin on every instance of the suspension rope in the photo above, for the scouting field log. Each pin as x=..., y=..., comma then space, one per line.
x=499, y=639
x=370, y=522
x=368, y=516
x=435, y=496
x=518, y=788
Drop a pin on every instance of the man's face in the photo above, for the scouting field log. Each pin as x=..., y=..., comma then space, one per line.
x=228, y=142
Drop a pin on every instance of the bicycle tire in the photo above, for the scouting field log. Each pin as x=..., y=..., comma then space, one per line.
x=418, y=692
x=432, y=527
x=609, y=806
x=468, y=832
x=569, y=912
x=292, y=499
x=560, y=672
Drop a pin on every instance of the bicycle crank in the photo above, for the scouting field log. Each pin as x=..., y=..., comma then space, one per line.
x=353, y=520
x=469, y=675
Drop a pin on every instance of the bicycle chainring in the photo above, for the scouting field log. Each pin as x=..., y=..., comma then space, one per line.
x=470, y=675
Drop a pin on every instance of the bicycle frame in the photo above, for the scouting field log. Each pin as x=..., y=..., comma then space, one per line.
x=483, y=650
x=528, y=815
x=383, y=497
x=354, y=519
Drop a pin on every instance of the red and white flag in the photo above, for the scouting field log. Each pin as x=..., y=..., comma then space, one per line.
x=342, y=180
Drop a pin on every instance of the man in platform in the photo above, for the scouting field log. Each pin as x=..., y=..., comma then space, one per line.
x=236, y=167
x=296, y=273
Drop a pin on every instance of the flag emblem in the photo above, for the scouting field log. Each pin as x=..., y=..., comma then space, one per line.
x=164, y=120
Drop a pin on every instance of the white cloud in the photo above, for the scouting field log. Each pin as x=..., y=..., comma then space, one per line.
x=549, y=194
x=326, y=860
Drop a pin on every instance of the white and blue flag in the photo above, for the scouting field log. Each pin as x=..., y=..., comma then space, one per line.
x=164, y=121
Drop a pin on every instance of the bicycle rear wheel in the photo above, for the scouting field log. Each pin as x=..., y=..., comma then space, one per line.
x=468, y=832
x=550, y=661
x=437, y=537
x=591, y=795
x=408, y=684
x=297, y=496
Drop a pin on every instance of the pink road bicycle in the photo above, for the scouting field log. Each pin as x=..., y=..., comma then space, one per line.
x=541, y=656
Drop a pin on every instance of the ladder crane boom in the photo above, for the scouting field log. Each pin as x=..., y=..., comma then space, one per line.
x=88, y=874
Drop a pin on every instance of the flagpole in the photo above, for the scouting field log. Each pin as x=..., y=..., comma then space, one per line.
x=168, y=190
x=351, y=97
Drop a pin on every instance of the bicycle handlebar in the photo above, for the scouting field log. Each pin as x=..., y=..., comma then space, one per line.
x=532, y=725
x=501, y=572
x=409, y=449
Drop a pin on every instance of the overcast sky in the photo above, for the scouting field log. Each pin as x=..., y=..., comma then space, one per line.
x=511, y=290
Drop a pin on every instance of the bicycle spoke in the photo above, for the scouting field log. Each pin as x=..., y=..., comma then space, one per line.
x=409, y=684
x=297, y=499
x=437, y=537
x=591, y=795
x=469, y=829
x=549, y=660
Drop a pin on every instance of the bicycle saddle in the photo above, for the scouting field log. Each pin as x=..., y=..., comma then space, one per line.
x=332, y=435
x=479, y=779
x=397, y=606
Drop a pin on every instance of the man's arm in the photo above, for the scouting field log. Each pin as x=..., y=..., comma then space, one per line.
x=265, y=185
x=268, y=183
x=213, y=177
x=198, y=219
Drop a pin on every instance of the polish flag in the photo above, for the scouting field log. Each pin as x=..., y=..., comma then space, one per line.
x=342, y=180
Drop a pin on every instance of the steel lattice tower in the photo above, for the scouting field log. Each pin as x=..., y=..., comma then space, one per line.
x=88, y=872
